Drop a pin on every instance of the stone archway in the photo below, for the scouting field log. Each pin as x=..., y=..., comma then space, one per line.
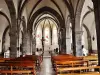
x=68, y=36
x=4, y=40
x=4, y=33
x=44, y=32
x=88, y=38
x=55, y=15
x=13, y=28
x=96, y=4
x=87, y=30
x=78, y=31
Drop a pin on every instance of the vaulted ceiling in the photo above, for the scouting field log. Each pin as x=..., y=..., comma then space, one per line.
x=62, y=7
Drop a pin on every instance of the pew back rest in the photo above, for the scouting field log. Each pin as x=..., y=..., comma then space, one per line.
x=26, y=58
x=5, y=59
x=66, y=57
x=91, y=57
x=73, y=69
x=25, y=67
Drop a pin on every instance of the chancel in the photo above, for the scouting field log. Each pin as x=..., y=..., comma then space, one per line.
x=49, y=37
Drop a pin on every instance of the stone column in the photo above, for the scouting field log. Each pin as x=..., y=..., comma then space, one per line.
x=33, y=45
x=13, y=43
x=13, y=39
x=13, y=28
x=59, y=41
x=89, y=44
x=63, y=40
x=33, y=38
x=68, y=36
x=73, y=36
x=26, y=44
x=96, y=4
x=28, y=51
x=26, y=39
x=68, y=45
x=79, y=43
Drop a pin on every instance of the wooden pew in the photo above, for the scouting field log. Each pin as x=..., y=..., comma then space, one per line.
x=63, y=58
x=11, y=71
x=61, y=61
x=71, y=63
x=25, y=67
x=4, y=59
x=93, y=59
x=92, y=73
x=31, y=58
x=73, y=69
x=27, y=62
x=34, y=58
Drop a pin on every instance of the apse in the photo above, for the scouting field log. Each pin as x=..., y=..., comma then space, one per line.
x=47, y=34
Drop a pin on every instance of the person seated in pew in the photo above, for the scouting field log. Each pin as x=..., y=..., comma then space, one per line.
x=37, y=52
x=41, y=51
x=57, y=51
x=85, y=51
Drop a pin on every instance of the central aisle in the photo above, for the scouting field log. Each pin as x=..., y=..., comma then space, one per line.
x=46, y=67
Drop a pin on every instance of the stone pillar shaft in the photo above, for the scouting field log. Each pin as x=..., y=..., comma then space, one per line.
x=79, y=43
x=13, y=36
x=13, y=41
x=26, y=44
x=68, y=45
x=63, y=41
x=68, y=36
x=96, y=4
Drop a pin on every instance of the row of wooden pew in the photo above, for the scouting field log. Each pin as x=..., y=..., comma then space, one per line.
x=66, y=64
x=21, y=65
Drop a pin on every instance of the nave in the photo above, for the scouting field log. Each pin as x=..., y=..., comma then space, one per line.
x=60, y=37
x=46, y=67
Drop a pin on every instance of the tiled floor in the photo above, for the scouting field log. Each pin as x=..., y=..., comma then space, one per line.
x=46, y=67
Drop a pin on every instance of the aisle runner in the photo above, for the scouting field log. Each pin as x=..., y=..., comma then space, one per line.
x=46, y=68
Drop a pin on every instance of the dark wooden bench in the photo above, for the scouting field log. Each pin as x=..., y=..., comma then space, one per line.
x=80, y=69
x=4, y=59
x=71, y=63
x=66, y=57
x=60, y=59
x=92, y=73
x=93, y=59
x=19, y=65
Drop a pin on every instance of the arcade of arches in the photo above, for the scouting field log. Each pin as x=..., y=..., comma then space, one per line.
x=66, y=25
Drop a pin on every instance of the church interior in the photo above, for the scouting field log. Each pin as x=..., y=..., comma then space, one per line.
x=49, y=37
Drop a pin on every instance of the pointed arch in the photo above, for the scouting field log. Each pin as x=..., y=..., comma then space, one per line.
x=43, y=10
x=88, y=38
x=3, y=14
x=4, y=36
